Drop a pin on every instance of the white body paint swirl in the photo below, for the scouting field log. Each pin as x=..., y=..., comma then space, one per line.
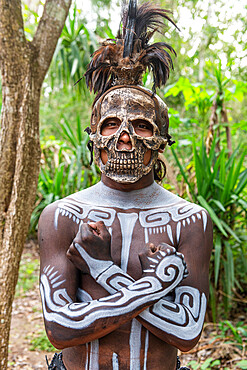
x=96, y=204
x=148, y=289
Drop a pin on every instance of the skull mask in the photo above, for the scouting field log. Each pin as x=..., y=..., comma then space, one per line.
x=128, y=104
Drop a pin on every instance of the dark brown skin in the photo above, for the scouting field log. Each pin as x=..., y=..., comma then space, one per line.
x=58, y=247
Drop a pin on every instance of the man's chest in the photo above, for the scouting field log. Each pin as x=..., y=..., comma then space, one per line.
x=132, y=230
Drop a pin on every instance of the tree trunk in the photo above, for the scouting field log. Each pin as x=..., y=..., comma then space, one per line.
x=23, y=68
x=212, y=123
x=228, y=130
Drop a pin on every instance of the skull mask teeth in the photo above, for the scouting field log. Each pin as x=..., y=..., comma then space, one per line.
x=127, y=165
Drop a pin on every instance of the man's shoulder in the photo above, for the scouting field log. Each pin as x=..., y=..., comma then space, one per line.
x=170, y=207
x=166, y=199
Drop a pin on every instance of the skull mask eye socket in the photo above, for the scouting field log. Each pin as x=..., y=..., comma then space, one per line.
x=142, y=128
x=110, y=126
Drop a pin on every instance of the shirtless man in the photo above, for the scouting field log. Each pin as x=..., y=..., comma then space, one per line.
x=125, y=263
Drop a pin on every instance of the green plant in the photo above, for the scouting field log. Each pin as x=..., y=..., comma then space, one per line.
x=72, y=54
x=195, y=95
x=209, y=363
x=41, y=342
x=65, y=168
x=234, y=333
x=28, y=275
x=218, y=185
x=242, y=364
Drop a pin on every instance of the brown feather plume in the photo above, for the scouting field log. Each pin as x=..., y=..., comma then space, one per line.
x=122, y=61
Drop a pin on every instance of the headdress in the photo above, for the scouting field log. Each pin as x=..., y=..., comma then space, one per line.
x=124, y=60
x=116, y=69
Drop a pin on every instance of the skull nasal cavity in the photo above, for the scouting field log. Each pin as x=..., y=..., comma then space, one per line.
x=124, y=141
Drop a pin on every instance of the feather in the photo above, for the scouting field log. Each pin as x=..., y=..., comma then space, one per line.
x=124, y=60
x=129, y=30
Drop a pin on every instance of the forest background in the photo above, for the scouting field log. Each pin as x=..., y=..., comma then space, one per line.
x=207, y=99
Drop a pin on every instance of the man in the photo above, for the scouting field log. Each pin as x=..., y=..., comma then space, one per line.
x=124, y=264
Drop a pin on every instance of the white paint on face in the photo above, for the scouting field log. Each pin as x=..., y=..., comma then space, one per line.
x=135, y=344
x=94, y=355
x=127, y=224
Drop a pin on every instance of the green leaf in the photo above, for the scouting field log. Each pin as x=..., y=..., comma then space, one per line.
x=234, y=331
x=218, y=204
x=199, y=170
x=206, y=363
x=230, y=231
x=68, y=133
x=230, y=265
x=181, y=169
x=79, y=130
x=212, y=214
x=242, y=182
x=217, y=255
x=242, y=364
x=227, y=185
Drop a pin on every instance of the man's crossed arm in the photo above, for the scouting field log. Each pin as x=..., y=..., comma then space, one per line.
x=80, y=323
x=181, y=319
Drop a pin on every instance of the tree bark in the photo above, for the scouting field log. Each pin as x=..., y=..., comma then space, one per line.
x=23, y=67
x=224, y=118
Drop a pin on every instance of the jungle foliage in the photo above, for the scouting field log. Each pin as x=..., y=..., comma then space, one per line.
x=206, y=96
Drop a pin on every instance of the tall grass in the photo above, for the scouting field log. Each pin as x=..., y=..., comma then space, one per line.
x=218, y=185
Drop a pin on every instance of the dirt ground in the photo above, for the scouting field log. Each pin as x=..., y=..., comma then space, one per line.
x=27, y=321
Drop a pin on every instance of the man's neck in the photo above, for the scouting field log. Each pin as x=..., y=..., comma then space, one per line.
x=145, y=181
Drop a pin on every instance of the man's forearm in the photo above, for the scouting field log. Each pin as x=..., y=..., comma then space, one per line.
x=182, y=318
x=87, y=321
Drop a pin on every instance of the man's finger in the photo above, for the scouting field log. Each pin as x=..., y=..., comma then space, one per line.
x=101, y=229
x=86, y=230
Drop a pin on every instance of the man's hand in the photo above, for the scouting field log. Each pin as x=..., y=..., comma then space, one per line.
x=94, y=241
x=165, y=263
